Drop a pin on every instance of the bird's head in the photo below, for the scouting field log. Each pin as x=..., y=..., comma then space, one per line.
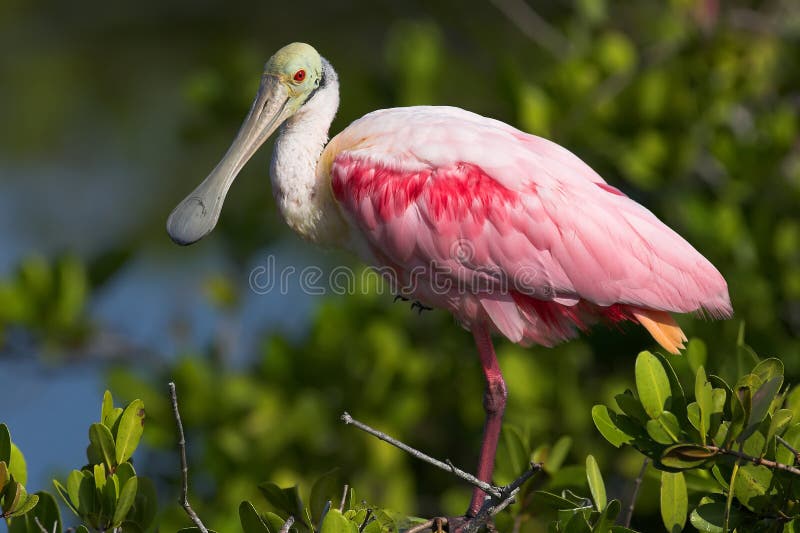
x=290, y=77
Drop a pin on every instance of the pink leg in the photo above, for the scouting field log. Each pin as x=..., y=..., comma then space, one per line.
x=494, y=402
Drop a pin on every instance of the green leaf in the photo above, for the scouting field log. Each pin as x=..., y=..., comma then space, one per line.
x=665, y=429
x=328, y=488
x=335, y=522
x=87, y=495
x=652, y=384
x=674, y=501
x=126, y=498
x=24, y=507
x=100, y=437
x=703, y=393
x=686, y=456
x=131, y=426
x=553, y=501
x=251, y=522
x=111, y=421
x=4, y=476
x=73, y=489
x=709, y=517
x=596, y=485
x=124, y=472
x=607, y=517
x=631, y=406
x=99, y=476
x=761, y=401
x=577, y=524
x=677, y=396
x=514, y=454
x=753, y=482
x=5, y=444
x=780, y=420
x=62, y=491
x=17, y=466
x=558, y=453
x=605, y=422
x=146, y=505
x=286, y=502
x=768, y=369
x=107, y=407
x=81, y=529
x=274, y=521
x=47, y=512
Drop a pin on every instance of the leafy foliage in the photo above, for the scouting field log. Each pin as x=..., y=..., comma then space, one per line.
x=739, y=440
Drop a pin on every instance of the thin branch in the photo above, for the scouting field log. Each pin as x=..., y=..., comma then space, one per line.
x=38, y=523
x=366, y=521
x=636, y=486
x=446, y=466
x=184, y=501
x=790, y=448
x=534, y=26
x=344, y=498
x=756, y=460
x=422, y=527
x=286, y=525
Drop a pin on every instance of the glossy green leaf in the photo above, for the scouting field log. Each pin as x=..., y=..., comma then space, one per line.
x=112, y=419
x=127, y=496
x=274, y=521
x=99, y=472
x=131, y=426
x=73, y=488
x=665, y=429
x=674, y=501
x=761, y=401
x=677, y=401
x=768, y=369
x=335, y=522
x=124, y=472
x=62, y=491
x=26, y=506
x=686, y=456
x=703, y=393
x=631, y=406
x=752, y=484
x=5, y=444
x=5, y=476
x=709, y=517
x=596, y=484
x=251, y=522
x=100, y=437
x=286, y=502
x=605, y=421
x=652, y=384
x=17, y=466
x=47, y=512
x=780, y=421
x=145, y=507
x=577, y=524
x=607, y=517
x=107, y=406
x=87, y=495
x=328, y=488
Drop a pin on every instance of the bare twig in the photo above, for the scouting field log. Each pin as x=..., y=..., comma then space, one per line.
x=344, y=498
x=367, y=517
x=419, y=528
x=790, y=448
x=756, y=460
x=184, y=501
x=446, y=466
x=534, y=26
x=636, y=486
x=286, y=525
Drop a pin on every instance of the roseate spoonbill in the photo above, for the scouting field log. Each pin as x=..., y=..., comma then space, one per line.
x=511, y=233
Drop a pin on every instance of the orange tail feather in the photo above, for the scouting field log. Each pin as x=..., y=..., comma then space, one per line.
x=663, y=328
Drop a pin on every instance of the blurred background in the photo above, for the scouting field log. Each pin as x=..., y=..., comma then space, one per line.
x=112, y=112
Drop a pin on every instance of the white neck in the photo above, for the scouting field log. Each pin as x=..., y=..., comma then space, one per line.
x=301, y=189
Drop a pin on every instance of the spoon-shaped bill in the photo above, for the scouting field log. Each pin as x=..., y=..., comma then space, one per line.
x=198, y=213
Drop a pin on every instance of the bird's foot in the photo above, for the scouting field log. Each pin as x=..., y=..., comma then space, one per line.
x=420, y=307
x=400, y=297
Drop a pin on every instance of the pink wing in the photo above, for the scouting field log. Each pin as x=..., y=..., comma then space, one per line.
x=518, y=222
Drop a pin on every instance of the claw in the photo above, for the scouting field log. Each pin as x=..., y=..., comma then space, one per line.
x=400, y=297
x=419, y=307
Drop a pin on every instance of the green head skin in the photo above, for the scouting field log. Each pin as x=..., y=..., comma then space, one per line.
x=290, y=76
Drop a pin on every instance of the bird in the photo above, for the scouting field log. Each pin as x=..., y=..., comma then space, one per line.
x=512, y=233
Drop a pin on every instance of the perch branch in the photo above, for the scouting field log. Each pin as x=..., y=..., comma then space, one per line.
x=184, y=501
x=498, y=498
x=636, y=486
x=756, y=460
x=446, y=466
x=286, y=525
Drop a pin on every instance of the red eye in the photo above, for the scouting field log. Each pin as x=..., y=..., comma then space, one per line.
x=300, y=75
